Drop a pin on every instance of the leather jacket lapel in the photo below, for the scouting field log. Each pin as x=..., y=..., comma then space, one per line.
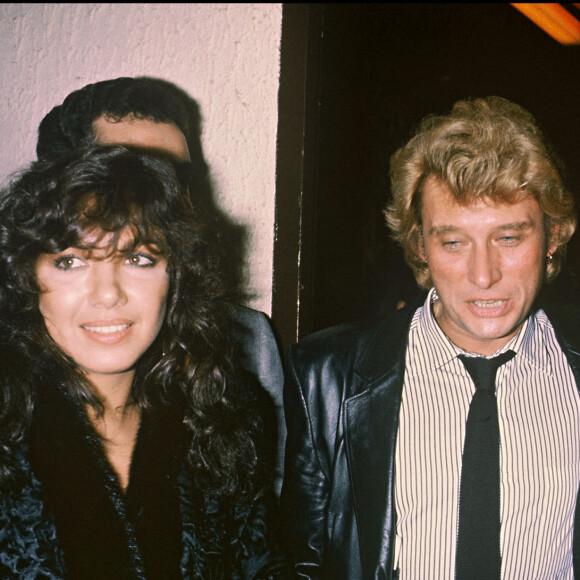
x=371, y=424
x=573, y=357
x=566, y=322
x=371, y=432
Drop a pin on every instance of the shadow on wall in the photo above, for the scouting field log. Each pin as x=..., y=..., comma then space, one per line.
x=232, y=237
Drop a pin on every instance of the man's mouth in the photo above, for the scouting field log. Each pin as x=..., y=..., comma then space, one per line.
x=488, y=303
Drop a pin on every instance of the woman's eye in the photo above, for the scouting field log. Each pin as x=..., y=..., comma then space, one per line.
x=141, y=260
x=68, y=263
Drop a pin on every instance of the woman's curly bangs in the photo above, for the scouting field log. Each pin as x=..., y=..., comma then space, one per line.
x=107, y=189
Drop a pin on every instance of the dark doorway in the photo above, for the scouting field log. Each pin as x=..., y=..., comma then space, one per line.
x=371, y=72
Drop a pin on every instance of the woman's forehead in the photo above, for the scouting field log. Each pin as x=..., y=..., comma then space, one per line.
x=97, y=238
x=103, y=243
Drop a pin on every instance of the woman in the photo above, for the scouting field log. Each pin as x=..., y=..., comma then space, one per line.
x=130, y=445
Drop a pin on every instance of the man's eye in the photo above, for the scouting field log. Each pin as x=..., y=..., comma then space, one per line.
x=140, y=260
x=68, y=263
x=509, y=240
x=452, y=244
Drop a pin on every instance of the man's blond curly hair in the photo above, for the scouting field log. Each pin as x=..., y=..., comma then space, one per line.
x=487, y=148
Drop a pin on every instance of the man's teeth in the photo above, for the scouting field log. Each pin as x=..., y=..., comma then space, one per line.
x=488, y=303
x=106, y=329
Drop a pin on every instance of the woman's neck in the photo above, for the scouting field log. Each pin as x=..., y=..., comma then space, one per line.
x=113, y=390
x=119, y=423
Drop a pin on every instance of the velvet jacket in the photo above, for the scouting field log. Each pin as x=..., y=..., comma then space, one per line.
x=65, y=516
x=343, y=395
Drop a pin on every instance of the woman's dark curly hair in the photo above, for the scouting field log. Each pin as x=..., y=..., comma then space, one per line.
x=51, y=207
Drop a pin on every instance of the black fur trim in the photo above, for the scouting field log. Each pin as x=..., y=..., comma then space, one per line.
x=104, y=533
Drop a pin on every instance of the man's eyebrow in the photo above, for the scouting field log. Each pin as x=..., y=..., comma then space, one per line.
x=440, y=230
x=446, y=229
x=518, y=225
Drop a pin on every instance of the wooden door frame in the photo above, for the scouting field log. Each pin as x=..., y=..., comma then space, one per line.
x=296, y=171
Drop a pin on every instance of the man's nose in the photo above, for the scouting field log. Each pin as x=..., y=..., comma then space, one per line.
x=484, y=267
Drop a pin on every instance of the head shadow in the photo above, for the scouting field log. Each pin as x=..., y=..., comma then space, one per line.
x=232, y=237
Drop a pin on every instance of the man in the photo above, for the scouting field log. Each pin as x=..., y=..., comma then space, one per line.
x=154, y=115
x=375, y=454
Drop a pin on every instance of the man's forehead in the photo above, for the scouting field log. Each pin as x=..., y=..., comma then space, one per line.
x=436, y=191
x=442, y=213
x=157, y=137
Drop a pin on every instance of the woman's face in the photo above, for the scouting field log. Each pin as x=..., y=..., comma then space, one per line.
x=103, y=311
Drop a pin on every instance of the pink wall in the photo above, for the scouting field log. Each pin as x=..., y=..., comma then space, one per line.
x=226, y=56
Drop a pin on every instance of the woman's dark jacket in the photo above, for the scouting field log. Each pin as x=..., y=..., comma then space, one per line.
x=65, y=516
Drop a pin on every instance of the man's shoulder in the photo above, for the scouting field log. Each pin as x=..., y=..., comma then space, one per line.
x=256, y=348
x=368, y=345
x=336, y=341
x=253, y=331
x=565, y=319
x=249, y=318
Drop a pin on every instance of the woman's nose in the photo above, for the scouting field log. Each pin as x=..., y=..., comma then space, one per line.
x=106, y=285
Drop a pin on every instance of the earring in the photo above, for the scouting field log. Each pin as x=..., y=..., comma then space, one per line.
x=550, y=257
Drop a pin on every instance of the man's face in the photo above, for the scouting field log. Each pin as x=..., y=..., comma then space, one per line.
x=151, y=136
x=487, y=264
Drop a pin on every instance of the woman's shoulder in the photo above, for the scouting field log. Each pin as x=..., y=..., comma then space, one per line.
x=28, y=541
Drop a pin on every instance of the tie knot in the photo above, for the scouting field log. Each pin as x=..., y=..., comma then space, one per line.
x=483, y=370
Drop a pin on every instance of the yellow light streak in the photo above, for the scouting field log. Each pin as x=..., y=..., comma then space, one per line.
x=553, y=19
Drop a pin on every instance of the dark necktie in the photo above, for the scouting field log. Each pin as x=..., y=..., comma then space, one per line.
x=478, y=550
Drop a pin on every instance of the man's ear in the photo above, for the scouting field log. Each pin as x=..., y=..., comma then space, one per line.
x=421, y=247
x=553, y=239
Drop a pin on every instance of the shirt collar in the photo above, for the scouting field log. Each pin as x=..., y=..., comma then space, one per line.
x=444, y=350
x=528, y=341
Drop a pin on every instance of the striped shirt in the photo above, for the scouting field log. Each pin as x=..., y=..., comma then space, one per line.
x=539, y=419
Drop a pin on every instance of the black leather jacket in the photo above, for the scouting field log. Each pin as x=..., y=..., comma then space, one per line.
x=258, y=353
x=342, y=399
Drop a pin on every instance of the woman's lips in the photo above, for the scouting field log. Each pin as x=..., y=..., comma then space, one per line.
x=107, y=332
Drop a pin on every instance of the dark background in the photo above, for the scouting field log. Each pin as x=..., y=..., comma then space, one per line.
x=372, y=72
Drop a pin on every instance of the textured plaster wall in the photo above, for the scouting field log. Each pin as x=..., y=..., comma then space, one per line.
x=225, y=56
